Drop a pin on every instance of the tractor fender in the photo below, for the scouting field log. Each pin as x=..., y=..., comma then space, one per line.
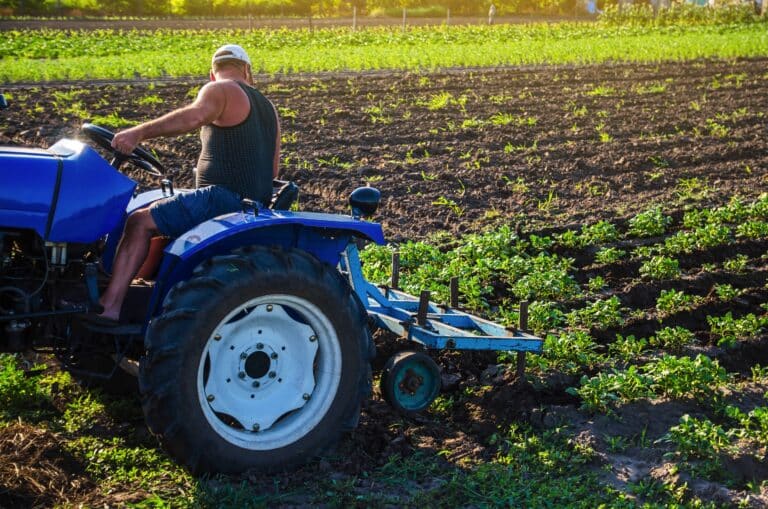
x=325, y=236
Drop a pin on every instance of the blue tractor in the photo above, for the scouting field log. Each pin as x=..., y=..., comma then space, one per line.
x=249, y=337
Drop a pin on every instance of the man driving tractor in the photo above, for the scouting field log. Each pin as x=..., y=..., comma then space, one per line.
x=239, y=157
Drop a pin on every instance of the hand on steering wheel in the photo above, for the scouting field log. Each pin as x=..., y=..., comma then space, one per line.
x=139, y=157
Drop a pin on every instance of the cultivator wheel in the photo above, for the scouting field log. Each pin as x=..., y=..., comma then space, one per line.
x=259, y=361
x=410, y=382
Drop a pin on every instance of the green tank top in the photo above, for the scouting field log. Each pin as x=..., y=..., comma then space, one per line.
x=240, y=157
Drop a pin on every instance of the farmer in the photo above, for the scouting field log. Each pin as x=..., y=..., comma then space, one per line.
x=240, y=135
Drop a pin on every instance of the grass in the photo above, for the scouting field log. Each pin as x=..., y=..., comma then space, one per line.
x=49, y=55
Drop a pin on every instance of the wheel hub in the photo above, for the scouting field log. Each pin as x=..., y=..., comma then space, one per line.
x=261, y=366
x=257, y=364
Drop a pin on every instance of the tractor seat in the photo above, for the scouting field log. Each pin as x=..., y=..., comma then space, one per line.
x=284, y=194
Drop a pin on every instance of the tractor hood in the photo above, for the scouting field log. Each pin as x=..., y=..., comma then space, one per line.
x=66, y=193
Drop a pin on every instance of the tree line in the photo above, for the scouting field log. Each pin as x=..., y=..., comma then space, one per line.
x=278, y=7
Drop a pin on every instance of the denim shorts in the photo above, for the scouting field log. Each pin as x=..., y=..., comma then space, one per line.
x=183, y=211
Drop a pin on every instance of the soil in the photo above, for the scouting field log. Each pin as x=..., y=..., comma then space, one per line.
x=509, y=146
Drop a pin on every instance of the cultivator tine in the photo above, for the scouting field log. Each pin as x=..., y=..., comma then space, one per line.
x=421, y=315
x=454, y=287
x=396, y=270
x=523, y=328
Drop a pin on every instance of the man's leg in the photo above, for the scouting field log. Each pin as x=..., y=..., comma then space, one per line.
x=131, y=252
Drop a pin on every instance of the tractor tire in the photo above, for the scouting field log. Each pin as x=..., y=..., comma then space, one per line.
x=259, y=361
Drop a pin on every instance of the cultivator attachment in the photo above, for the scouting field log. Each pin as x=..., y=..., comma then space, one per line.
x=435, y=327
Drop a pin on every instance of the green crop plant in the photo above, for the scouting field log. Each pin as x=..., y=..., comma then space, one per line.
x=49, y=54
x=627, y=348
x=692, y=189
x=570, y=352
x=700, y=439
x=377, y=114
x=439, y=101
x=603, y=391
x=711, y=235
x=596, y=284
x=518, y=185
x=608, y=255
x=730, y=330
x=673, y=339
x=658, y=162
x=735, y=211
x=759, y=208
x=672, y=301
x=725, y=291
x=697, y=218
x=548, y=202
x=754, y=424
x=287, y=113
x=540, y=243
x=601, y=91
x=599, y=314
x=568, y=239
x=753, y=230
x=660, y=267
x=717, y=129
x=674, y=377
x=546, y=283
x=650, y=223
x=598, y=233
x=680, y=243
x=149, y=100
x=471, y=123
x=113, y=121
x=544, y=316
x=736, y=264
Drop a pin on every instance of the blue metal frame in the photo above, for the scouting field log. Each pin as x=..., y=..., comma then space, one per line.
x=444, y=327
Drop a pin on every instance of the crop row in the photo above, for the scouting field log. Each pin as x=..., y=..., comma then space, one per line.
x=690, y=323
x=128, y=54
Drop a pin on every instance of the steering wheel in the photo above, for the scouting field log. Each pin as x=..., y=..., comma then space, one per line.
x=139, y=157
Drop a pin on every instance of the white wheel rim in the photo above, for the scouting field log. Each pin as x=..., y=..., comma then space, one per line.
x=269, y=372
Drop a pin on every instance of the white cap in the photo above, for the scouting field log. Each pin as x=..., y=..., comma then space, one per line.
x=230, y=52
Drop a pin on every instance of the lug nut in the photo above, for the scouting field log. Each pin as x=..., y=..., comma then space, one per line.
x=256, y=384
x=243, y=355
x=241, y=374
x=306, y=397
x=269, y=307
x=210, y=397
x=255, y=427
x=217, y=337
x=272, y=374
x=313, y=338
x=274, y=355
x=259, y=346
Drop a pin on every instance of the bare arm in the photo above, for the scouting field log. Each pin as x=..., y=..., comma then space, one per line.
x=207, y=108
x=276, y=160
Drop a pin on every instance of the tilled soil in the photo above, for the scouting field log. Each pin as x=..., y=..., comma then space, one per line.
x=461, y=151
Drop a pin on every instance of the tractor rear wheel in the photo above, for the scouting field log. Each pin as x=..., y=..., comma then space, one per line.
x=259, y=361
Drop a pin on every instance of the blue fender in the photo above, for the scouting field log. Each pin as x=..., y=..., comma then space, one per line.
x=325, y=236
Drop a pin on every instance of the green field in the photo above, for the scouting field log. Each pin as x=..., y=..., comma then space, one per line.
x=53, y=55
